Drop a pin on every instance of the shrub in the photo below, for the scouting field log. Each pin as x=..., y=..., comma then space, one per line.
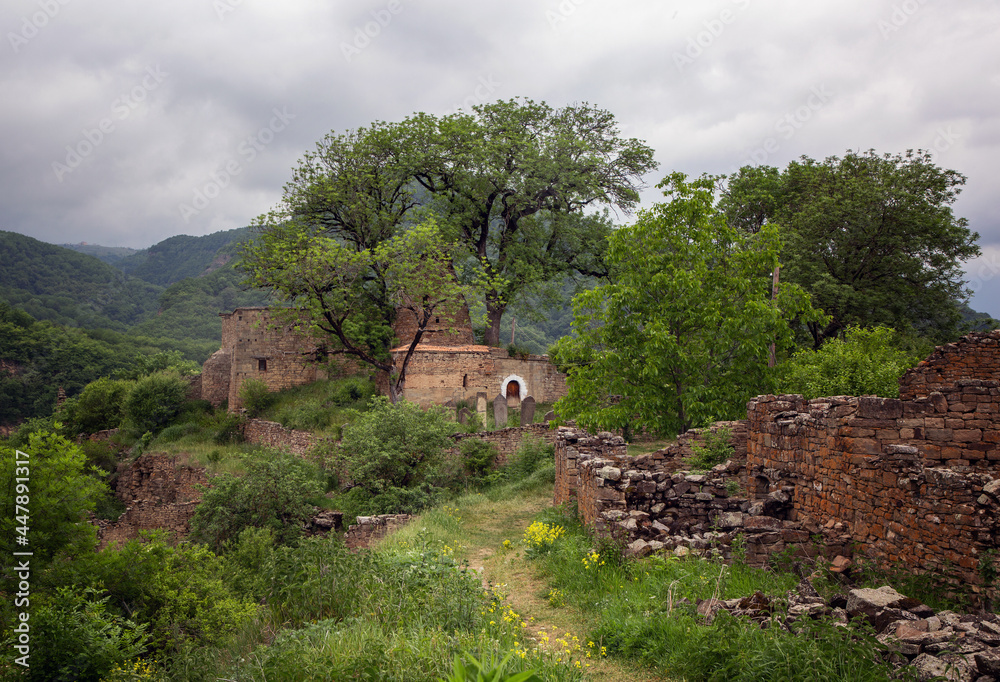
x=255, y=396
x=716, y=450
x=864, y=362
x=478, y=456
x=274, y=493
x=75, y=637
x=100, y=406
x=531, y=456
x=154, y=401
x=394, y=446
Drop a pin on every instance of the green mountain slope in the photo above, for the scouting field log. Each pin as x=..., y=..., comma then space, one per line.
x=74, y=289
x=108, y=254
x=180, y=257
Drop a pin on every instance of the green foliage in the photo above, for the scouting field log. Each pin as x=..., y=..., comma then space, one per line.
x=273, y=493
x=61, y=493
x=475, y=671
x=322, y=405
x=100, y=406
x=864, y=362
x=179, y=592
x=716, y=450
x=532, y=455
x=249, y=561
x=75, y=636
x=871, y=237
x=154, y=401
x=255, y=396
x=395, y=446
x=679, y=335
x=478, y=456
x=69, y=288
x=181, y=257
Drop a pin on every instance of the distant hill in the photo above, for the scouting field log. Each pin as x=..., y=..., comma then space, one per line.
x=973, y=321
x=108, y=254
x=182, y=256
x=70, y=288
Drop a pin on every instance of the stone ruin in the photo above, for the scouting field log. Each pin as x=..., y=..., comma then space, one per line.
x=911, y=482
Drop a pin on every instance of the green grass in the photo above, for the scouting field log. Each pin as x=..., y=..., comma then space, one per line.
x=322, y=407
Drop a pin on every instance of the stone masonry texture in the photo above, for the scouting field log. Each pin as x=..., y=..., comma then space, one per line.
x=911, y=482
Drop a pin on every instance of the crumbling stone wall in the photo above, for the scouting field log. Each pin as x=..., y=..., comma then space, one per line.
x=159, y=491
x=367, y=529
x=910, y=482
x=902, y=477
x=274, y=435
x=974, y=356
x=507, y=441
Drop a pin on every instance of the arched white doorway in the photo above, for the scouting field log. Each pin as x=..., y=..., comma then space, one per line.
x=515, y=389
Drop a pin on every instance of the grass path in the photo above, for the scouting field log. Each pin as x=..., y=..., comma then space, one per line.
x=477, y=528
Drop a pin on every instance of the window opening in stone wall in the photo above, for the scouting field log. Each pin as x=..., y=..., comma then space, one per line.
x=262, y=364
x=465, y=381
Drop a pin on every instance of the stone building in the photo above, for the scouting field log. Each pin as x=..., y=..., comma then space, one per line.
x=447, y=364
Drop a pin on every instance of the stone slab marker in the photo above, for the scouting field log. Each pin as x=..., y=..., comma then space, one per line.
x=500, y=411
x=527, y=411
x=481, y=400
x=549, y=416
x=463, y=415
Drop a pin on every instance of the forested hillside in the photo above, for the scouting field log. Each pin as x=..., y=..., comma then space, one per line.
x=60, y=285
x=108, y=254
x=180, y=257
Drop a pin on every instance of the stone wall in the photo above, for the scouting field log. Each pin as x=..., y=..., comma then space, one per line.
x=160, y=492
x=976, y=355
x=274, y=435
x=909, y=482
x=509, y=440
x=368, y=529
x=436, y=375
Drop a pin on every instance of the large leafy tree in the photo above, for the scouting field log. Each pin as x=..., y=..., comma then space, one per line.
x=521, y=183
x=679, y=335
x=351, y=293
x=871, y=237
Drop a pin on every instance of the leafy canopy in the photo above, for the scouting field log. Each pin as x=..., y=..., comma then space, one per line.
x=871, y=237
x=864, y=362
x=679, y=335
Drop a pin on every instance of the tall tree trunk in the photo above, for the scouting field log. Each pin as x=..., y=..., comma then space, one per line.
x=494, y=311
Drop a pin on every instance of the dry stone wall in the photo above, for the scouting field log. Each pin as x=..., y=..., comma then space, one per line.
x=367, y=529
x=909, y=482
x=274, y=435
x=160, y=492
x=507, y=441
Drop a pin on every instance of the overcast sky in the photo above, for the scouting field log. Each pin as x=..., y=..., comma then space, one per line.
x=125, y=123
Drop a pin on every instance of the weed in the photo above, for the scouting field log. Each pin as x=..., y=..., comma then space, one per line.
x=716, y=450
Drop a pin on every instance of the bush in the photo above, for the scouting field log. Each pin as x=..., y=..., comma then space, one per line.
x=716, y=450
x=274, y=493
x=865, y=362
x=99, y=406
x=394, y=446
x=154, y=401
x=533, y=454
x=255, y=396
x=75, y=637
x=478, y=456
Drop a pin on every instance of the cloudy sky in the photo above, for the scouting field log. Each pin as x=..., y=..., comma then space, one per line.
x=125, y=123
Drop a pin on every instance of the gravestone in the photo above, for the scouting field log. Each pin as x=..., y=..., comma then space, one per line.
x=549, y=416
x=527, y=411
x=463, y=415
x=481, y=405
x=450, y=408
x=500, y=411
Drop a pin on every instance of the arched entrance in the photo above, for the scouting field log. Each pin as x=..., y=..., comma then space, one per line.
x=514, y=388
